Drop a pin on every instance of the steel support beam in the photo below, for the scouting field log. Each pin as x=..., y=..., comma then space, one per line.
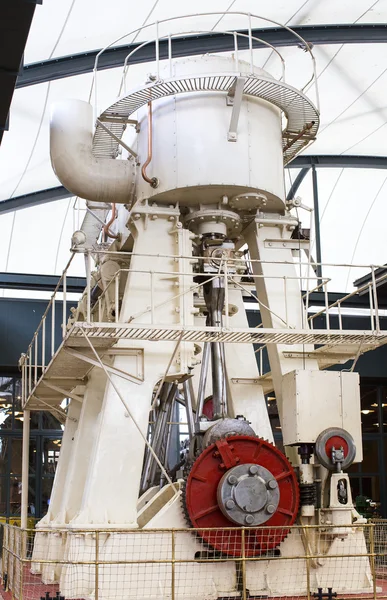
x=78, y=64
x=41, y=283
x=338, y=161
x=34, y=198
x=300, y=162
x=297, y=182
x=317, y=232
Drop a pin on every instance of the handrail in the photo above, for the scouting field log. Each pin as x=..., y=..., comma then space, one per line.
x=235, y=34
x=107, y=307
x=249, y=16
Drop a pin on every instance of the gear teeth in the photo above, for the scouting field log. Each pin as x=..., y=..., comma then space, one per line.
x=206, y=545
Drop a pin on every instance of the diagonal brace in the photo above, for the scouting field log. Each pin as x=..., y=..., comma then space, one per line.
x=235, y=96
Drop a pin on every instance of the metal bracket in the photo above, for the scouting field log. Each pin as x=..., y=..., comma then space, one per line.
x=234, y=98
x=138, y=379
x=120, y=121
x=117, y=139
x=247, y=380
x=66, y=393
x=291, y=244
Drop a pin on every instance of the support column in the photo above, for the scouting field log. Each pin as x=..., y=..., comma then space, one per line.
x=246, y=397
x=278, y=288
x=113, y=479
x=25, y=469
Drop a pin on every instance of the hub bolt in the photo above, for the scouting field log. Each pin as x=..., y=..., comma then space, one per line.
x=270, y=508
x=272, y=484
x=249, y=519
x=253, y=470
x=232, y=479
x=230, y=504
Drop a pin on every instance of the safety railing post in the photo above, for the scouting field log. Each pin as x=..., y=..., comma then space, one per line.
x=372, y=557
x=170, y=54
x=30, y=370
x=157, y=51
x=376, y=305
x=64, y=283
x=152, y=297
x=226, y=297
x=88, y=287
x=286, y=300
x=371, y=307
x=173, y=558
x=305, y=529
x=96, y=594
x=53, y=326
x=36, y=358
x=251, y=46
x=327, y=320
x=44, y=345
x=243, y=565
x=236, y=56
x=117, y=296
x=339, y=315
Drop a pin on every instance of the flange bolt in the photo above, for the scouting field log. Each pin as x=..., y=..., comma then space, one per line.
x=232, y=480
x=249, y=519
x=270, y=508
x=253, y=470
x=272, y=484
x=230, y=504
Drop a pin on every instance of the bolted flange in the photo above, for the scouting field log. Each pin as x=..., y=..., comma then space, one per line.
x=248, y=494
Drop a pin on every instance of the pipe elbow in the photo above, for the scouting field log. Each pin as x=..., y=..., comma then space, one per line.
x=78, y=170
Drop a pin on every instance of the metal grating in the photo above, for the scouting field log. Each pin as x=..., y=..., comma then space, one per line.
x=299, y=110
x=169, y=333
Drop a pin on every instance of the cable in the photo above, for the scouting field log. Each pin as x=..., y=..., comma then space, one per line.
x=365, y=137
x=363, y=225
x=37, y=133
x=286, y=23
x=220, y=18
x=61, y=233
x=342, y=46
x=354, y=101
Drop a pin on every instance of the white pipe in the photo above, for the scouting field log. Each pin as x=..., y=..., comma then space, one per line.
x=82, y=173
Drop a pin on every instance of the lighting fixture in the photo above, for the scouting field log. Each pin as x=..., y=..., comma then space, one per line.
x=366, y=411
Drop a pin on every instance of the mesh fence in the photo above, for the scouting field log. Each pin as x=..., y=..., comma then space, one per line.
x=195, y=564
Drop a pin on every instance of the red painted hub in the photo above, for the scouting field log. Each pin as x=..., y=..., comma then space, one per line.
x=336, y=441
x=201, y=495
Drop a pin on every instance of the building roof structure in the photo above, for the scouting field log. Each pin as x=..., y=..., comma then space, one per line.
x=349, y=42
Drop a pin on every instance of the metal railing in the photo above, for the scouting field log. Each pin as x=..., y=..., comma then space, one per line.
x=117, y=564
x=156, y=38
x=105, y=310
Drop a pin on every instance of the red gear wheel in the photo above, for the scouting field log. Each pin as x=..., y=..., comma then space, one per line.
x=201, y=495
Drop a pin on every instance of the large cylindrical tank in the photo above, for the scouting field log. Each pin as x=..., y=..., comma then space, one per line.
x=192, y=157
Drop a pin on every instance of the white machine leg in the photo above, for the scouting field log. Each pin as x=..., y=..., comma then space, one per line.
x=245, y=394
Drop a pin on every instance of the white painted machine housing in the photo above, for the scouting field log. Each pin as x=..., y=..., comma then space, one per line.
x=316, y=400
x=192, y=157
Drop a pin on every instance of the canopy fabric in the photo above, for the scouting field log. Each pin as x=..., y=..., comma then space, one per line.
x=352, y=82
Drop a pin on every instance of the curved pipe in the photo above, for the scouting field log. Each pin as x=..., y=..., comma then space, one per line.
x=82, y=173
x=106, y=228
x=153, y=182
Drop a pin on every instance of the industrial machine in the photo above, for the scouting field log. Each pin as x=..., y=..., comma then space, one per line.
x=186, y=214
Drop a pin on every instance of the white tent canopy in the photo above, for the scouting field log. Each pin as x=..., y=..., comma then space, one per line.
x=352, y=89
